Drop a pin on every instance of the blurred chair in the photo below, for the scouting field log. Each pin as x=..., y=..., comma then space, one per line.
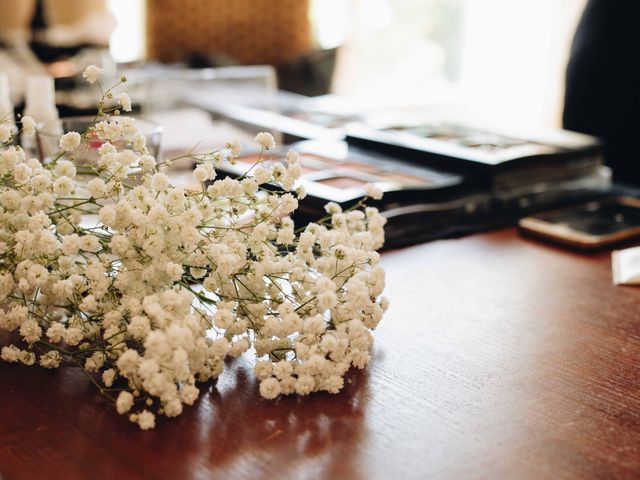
x=71, y=23
x=56, y=22
x=58, y=37
x=240, y=32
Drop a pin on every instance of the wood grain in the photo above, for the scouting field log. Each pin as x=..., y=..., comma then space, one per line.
x=499, y=358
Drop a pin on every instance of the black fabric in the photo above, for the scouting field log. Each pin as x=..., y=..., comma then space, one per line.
x=38, y=22
x=603, y=82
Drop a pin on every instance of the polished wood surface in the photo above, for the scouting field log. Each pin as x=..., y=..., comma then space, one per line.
x=499, y=358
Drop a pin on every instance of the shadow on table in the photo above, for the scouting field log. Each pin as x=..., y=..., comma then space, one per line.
x=234, y=432
x=230, y=432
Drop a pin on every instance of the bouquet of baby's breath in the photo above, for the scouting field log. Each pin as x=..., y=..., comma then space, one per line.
x=148, y=287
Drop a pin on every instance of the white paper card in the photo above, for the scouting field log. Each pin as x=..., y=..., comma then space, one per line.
x=626, y=266
x=192, y=130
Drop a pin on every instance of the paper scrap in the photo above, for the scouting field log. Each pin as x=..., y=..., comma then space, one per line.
x=626, y=266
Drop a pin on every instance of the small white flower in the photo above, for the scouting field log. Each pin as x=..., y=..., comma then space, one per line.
x=40, y=182
x=316, y=325
x=108, y=376
x=262, y=175
x=292, y=156
x=10, y=354
x=301, y=193
x=106, y=148
x=28, y=358
x=73, y=336
x=139, y=142
x=219, y=347
x=146, y=420
x=65, y=168
x=92, y=73
x=238, y=348
x=6, y=132
x=266, y=140
x=125, y=101
x=147, y=163
x=235, y=147
x=63, y=186
x=384, y=303
x=21, y=173
x=30, y=331
x=270, y=388
x=90, y=243
x=56, y=332
x=263, y=369
x=201, y=174
x=305, y=384
x=97, y=187
x=70, y=141
x=37, y=275
x=50, y=359
x=128, y=362
x=373, y=191
x=28, y=125
x=332, y=208
x=124, y=402
x=160, y=182
x=173, y=408
x=189, y=394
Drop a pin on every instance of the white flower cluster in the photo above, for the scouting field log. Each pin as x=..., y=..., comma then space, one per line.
x=171, y=281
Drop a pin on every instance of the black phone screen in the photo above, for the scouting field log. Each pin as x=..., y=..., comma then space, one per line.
x=596, y=218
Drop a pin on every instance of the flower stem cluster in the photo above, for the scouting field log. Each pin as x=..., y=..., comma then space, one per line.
x=149, y=287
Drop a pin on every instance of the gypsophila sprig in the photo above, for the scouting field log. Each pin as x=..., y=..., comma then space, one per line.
x=168, y=282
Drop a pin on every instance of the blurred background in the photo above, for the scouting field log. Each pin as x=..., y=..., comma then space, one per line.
x=504, y=60
x=501, y=60
x=466, y=97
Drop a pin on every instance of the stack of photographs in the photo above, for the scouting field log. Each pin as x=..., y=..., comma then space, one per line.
x=522, y=173
x=440, y=178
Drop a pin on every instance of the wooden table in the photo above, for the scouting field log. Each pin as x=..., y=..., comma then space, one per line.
x=499, y=358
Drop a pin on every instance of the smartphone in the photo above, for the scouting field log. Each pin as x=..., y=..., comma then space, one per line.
x=591, y=226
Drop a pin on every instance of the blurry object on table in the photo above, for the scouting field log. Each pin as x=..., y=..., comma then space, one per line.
x=524, y=172
x=59, y=37
x=625, y=265
x=17, y=60
x=193, y=131
x=40, y=104
x=296, y=117
x=73, y=24
x=588, y=227
x=242, y=32
x=308, y=74
x=158, y=87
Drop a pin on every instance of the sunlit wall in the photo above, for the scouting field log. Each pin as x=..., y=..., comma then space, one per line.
x=504, y=60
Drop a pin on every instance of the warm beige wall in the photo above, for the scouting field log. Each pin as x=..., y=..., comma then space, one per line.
x=15, y=18
x=68, y=12
x=17, y=14
x=89, y=20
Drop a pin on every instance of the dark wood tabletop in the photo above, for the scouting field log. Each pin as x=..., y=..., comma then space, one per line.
x=500, y=357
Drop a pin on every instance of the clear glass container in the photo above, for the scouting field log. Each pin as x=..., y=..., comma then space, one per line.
x=48, y=144
x=86, y=156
